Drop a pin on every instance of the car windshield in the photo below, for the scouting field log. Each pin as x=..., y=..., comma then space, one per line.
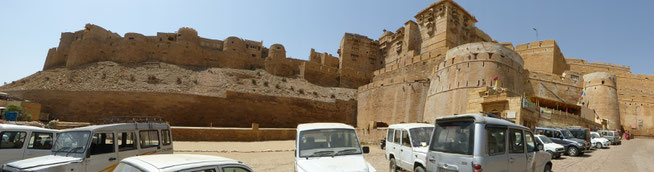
x=567, y=134
x=545, y=139
x=72, y=142
x=453, y=137
x=420, y=136
x=595, y=135
x=328, y=142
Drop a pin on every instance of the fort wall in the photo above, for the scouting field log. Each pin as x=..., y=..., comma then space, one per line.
x=234, y=110
x=467, y=67
x=391, y=102
x=601, y=95
x=543, y=56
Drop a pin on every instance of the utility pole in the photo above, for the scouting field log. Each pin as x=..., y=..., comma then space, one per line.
x=536, y=33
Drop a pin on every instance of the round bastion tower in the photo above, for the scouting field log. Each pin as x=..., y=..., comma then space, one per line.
x=601, y=95
x=467, y=67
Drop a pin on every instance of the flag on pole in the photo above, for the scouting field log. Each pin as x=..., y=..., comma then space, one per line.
x=495, y=79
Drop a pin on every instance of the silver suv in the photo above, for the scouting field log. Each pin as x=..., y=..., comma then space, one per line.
x=612, y=136
x=471, y=142
x=406, y=146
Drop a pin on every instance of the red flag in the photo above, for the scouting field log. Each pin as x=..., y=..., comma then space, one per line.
x=495, y=78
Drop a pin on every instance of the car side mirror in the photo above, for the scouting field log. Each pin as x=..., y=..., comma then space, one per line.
x=366, y=149
x=539, y=147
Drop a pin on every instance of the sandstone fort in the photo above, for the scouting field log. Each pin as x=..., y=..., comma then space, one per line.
x=436, y=65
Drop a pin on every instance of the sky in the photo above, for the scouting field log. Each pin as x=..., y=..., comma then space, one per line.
x=611, y=31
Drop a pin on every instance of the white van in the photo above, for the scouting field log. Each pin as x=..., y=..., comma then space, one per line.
x=329, y=147
x=99, y=147
x=406, y=146
x=21, y=142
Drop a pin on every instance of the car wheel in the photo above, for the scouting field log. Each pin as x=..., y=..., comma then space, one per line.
x=548, y=168
x=392, y=166
x=573, y=151
x=419, y=169
x=598, y=145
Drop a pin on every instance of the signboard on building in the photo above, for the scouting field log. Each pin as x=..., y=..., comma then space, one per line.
x=529, y=105
x=633, y=124
x=510, y=115
x=640, y=122
x=544, y=113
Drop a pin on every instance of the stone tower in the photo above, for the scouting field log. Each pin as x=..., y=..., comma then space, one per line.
x=467, y=67
x=602, y=96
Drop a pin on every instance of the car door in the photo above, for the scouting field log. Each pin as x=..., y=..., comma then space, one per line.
x=396, y=145
x=102, y=154
x=496, y=139
x=148, y=142
x=406, y=152
x=389, y=141
x=531, y=152
x=39, y=144
x=12, y=145
x=517, y=155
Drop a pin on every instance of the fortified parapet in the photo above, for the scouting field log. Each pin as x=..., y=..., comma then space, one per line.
x=602, y=96
x=471, y=66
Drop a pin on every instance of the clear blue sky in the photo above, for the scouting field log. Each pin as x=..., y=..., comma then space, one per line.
x=609, y=31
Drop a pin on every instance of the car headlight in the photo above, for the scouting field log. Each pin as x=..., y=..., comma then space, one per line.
x=579, y=144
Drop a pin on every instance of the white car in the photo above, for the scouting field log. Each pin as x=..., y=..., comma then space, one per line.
x=22, y=142
x=99, y=147
x=549, y=146
x=406, y=146
x=329, y=147
x=599, y=141
x=181, y=162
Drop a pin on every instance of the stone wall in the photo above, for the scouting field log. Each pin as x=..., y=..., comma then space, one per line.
x=391, y=103
x=231, y=134
x=601, y=95
x=543, y=56
x=234, y=110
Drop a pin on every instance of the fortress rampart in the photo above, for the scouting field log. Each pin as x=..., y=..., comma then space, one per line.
x=185, y=47
x=601, y=95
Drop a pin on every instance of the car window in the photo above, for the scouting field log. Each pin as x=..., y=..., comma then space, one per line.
x=420, y=136
x=405, y=139
x=40, y=141
x=149, y=138
x=12, y=139
x=397, y=136
x=557, y=134
x=389, y=135
x=516, y=141
x=165, y=134
x=126, y=141
x=234, y=169
x=102, y=143
x=531, y=143
x=496, y=141
x=454, y=137
x=548, y=133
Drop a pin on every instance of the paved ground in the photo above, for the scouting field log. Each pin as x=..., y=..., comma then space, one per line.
x=632, y=155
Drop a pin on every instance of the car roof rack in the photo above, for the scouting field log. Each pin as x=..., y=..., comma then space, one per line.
x=131, y=119
x=496, y=116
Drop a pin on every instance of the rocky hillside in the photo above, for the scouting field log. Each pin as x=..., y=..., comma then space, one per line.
x=163, y=77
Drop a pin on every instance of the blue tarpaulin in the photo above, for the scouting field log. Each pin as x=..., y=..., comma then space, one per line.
x=11, y=116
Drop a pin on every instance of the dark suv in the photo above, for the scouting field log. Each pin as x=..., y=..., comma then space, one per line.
x=583, y=134
x=573, y=146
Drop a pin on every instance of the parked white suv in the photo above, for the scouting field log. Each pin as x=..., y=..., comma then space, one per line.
x=598, y=141
x=406, y=146
x=471, y=142
x=550, y=147
x=329, y=147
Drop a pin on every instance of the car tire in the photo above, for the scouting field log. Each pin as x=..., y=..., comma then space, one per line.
x=419, y=169
x=392, y=166
x=598, y=145
x=548, y=168
x=573, y=151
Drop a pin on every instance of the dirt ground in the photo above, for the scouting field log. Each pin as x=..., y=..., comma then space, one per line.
x=632, y=155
